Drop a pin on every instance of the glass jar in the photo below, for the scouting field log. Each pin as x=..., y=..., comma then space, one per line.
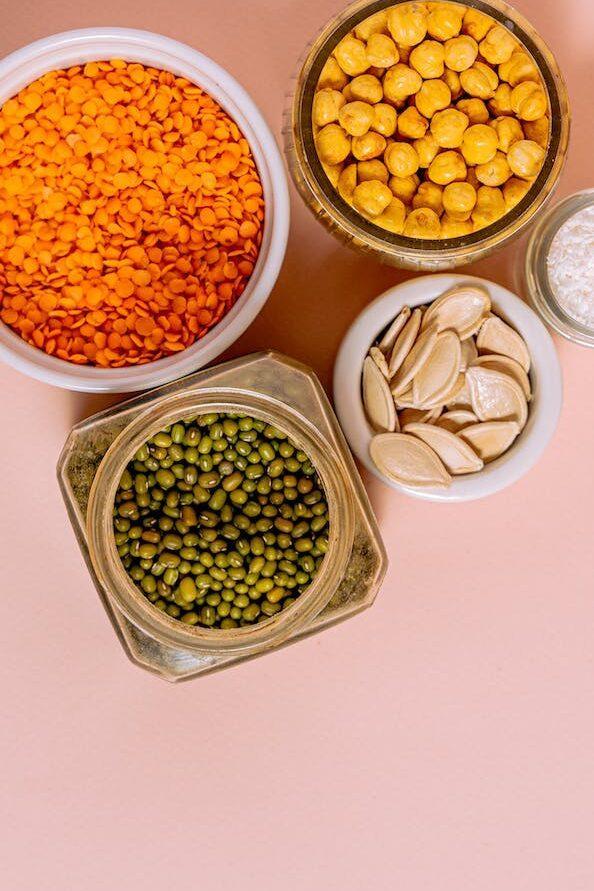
x=397, y=250
x=281, y=392
x=535, y=271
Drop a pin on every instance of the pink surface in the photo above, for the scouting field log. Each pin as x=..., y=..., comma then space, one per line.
x=440, y=742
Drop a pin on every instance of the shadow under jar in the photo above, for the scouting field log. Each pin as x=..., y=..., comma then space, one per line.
x=361, y=233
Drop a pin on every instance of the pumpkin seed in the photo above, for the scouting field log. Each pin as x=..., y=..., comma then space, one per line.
x=408, y=461
x=462, y=309
x=456, y=455
x=490, y=439
x=496, y=336
x=377, y=398
x=496, y=396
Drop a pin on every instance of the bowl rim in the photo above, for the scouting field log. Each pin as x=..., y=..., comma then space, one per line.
x=545, y=374
x=72, y=47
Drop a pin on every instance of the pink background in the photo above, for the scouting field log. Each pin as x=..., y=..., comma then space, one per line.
x=442, y=741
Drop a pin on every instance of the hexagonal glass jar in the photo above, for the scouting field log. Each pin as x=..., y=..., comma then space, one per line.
x=281, y=392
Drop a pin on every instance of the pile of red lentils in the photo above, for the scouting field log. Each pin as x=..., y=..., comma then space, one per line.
x=131, y=213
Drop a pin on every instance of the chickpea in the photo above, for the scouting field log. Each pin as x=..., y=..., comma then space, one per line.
x=498, y=45
x=525, y=158
x=429, y=195
x=347, y=93
x=333, y=144
x=454, y=228
x=472, y=179
x=411, y=124
x=479, y=144
x=446, y=168
x=494, y=172
x=356, y=118
x=401, y=82
x=433, y=96
x=452, y=80
x=384, y=119
x=460, y=52
x=519, y=67
x=444, y=20
x=401, y=159
x=422, y=223
x=370, y=145
x=373, y=24
x=367, y=88
x=382, y=52
x=326, y=105
x=476, y=23
x=393, y=217
x=351, y=55
x=538, y=131
x=332, y=76
x=459, y=200
x=371, y=198
x=404, y=187
x=448, y=126
x=373, y=169
x=333, y=172
x=347, y=182
x=529, y=101
x=426, y=148
x=489, y=207
x=514, y=190
x=404, y=52
x=479, y=80
x=509, y=130
x=475, y=109
x=407, y=23
x=500, y=104
x=427, y=58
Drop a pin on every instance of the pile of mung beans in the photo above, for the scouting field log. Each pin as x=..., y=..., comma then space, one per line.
x=221, y=520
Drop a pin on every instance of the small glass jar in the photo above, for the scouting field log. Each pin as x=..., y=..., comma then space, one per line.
x=280, y=392
x=346, y=223
x=535, y=270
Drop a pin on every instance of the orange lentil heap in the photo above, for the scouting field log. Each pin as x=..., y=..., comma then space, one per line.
x=131, y=213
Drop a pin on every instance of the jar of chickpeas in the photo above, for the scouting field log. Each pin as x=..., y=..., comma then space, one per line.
x=428, y=133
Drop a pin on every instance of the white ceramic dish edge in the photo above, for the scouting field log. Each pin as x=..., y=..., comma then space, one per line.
x=545, y=374
x=74, y=47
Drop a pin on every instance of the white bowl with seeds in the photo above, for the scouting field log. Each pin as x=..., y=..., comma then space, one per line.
x=448, y=387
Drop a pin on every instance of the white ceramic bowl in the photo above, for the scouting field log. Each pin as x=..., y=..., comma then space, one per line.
x=545, y=376
x=75, y=47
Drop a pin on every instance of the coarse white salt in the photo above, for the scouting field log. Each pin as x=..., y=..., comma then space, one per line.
x=570, y=266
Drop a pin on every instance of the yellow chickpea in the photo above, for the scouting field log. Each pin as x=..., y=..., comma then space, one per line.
x=404, y=187
x=519, y=67
x=471, y=178
x=348, y=93
x=367, y=88
x=501, y=101
x=371, y=198
x=479, y=80
x=384, y=119
x=514, y=190
x=460, y=52
x=356, y=118
x=401, y=82
x=476, y=23
x=448, y=126
x=509, y=130
x=429, y=195
x=326, y=105
x=529, y=101
x=393, y=217
x=452, y=80
x=459, y=200
x=489, y=207
x=407, y=23
x=433, y=96
x=444, y=20
x=382, y=52
x=525, y=158
x=454, y=228
x=422, y=223
x=404, y=52
x=538, y=131
x=333, y=144
x=332, y=76
x=427, y=58
x=347, y=182
x=446, y=168
x=370, y=145
x=374, y=169
x=373, y=24
x=351, y=55
x=426, y=148
x=498, y=45
x=333, y=172
x=411, y=124
x=479, y=144
x=401, y=159
x=494, y=172
x=475, y=109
